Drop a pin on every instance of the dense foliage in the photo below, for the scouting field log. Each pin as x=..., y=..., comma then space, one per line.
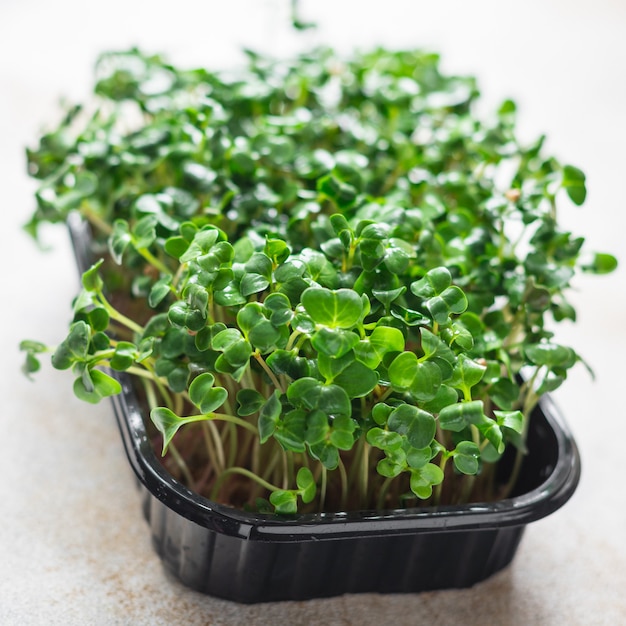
x=328, y=270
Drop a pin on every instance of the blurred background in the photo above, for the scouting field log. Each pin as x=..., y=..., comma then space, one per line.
x=74, y=547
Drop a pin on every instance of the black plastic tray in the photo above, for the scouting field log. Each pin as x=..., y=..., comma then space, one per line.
x=249, y=557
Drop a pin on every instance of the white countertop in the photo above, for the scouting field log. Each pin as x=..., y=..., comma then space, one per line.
x=74, y=546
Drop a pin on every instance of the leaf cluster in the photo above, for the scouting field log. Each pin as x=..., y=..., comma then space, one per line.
x=328, y=270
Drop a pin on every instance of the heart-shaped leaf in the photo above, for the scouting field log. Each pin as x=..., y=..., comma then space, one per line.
x=206, y=397
x=340, y=308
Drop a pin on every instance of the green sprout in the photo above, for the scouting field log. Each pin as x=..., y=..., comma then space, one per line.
x=324, y=275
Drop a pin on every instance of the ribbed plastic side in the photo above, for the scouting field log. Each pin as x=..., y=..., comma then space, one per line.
x=238, y=569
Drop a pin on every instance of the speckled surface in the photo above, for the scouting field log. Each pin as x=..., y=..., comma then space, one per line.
x=74, y=547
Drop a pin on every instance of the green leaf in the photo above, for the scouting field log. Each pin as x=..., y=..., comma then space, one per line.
x=317, y=427
x=415, y=424
x=384, y=439
x=402, y=371
x=219, y=257
x=31, y=364
x=100, y=386
x=341, y=193
x=342, y=432
x=382, y=341
x=574, y=184
x=340, y=308
x=119, y=240
x=184, y=315
x=330, y=367
x=201, y=244
x=257, y=328
x=144, y=232
x=357, y=380
x=206, y=397
x=91, y=280
x=311, y=394
x=381, y=413
x=159, y=291
x=433, y=283
x=334, y=342
x=467, y=457
x=393, y=464
x=235, y=356
x=280, y=309
x=511, y=420
x=601, y=264
x=250, y=401
x=456, y=417
x=285, y=502
x=288, y=362
x=550, y=354
x=418, y=457
x=326, y=454
x=291, y=431
x=226, y=337
x=493, y=433
x=176, y=246
x=467, y=373
x=277, y=250
x=505, y=393
x=427, y=381
x=269, y=416
x=74, y=348
x=445, y=396
x=424, y=479
x=386, y=297
x=306, y=484
x=124, y=356
x=451, y=300
x=253, y=283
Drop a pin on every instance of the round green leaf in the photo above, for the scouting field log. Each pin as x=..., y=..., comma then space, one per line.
x=284, y=502
x=340, y=308
x=357, y=380
x=467, y=457
x=326, y=454
x=418, y=457
x=467, y=373
x=306, y=484
x=334, y=342
x=511, y=420
x=91, y=280
x=424, y=479
x=403, y=370
x=574, y=184
x=384, y=439
x=206, y=397
x=74, y=348
x=456, y=417
x=124, y=356
x=100, y=386
x=416, y=425
x=317, y=427
x=427, y=381
x=291, y=431
x=602, y=263
x=183, y=315
x=269, y=416
x=314, y=395
x=433, y=283
x=250, y=401
x=382, y=341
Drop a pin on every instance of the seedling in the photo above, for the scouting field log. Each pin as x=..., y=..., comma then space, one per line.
x=333, y=286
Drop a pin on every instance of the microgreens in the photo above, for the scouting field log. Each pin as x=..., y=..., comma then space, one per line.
x=325, y=274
